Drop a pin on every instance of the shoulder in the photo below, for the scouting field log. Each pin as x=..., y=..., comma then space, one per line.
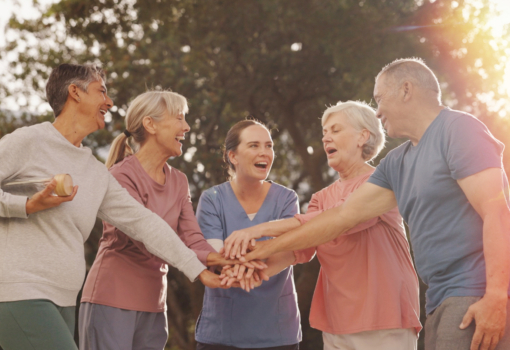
x=215, y=193
x=179, y=175
x=26, y=134
x=126, y=166
x=283, y=191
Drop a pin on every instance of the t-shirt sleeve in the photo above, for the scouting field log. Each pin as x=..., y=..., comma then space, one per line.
x=470, y=147
x=291, y=206
x=380, y=175
x=209, y=218
x=306, y=255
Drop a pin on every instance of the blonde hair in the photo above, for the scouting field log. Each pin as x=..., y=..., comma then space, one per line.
x=361, y=116
x=154, y=104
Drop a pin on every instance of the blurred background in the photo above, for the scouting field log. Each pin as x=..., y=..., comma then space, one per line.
x=280, y=61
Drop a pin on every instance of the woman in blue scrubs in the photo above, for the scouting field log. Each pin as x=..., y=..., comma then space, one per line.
x=268, y=316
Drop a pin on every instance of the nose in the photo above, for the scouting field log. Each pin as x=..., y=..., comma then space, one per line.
x=109, y=102
x=186, y=127
x=326, y=138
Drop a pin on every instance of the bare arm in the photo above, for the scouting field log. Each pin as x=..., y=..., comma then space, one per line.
x=237, y=243
x=367, y=202
x=484, y=190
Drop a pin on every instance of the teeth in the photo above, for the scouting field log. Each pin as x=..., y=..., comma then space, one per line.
x=102, y=111
x=180, y=138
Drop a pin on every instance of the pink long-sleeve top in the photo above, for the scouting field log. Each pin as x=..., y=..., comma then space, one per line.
x=125, y=275
x=367, y=280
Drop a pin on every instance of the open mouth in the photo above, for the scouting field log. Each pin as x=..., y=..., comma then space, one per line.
x=180, y=138
x=103, y=111
x=261, y=165
x=331, y=150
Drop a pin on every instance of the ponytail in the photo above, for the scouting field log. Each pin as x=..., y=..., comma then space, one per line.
x=120, y=149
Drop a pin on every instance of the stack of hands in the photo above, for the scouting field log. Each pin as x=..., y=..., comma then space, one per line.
x=235, y=270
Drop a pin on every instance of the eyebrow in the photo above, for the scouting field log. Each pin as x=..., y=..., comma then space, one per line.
x=259, y=142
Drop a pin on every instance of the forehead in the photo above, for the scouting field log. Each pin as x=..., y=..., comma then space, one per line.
x=255, y=133
x=336, y=118
x=98, y=83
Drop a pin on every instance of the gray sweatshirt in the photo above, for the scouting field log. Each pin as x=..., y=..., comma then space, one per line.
x=42, y=255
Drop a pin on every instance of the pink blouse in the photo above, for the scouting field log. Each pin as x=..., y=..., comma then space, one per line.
x=127, y=276
x=367, y=280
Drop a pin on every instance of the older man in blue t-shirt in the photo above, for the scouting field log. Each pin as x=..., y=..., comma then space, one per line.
x=450, y=187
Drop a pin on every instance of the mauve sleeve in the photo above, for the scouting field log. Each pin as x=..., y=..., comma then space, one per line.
x=189, y=230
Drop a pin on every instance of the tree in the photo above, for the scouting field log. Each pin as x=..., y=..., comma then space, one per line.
x=280, y=61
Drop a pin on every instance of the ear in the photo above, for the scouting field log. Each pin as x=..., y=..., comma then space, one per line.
x=149, y=125
x=74, y=92
x=232, y=157
x=363, y=137
x=407, y=91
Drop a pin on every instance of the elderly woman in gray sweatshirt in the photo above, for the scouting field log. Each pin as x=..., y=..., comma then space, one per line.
x=42, y=264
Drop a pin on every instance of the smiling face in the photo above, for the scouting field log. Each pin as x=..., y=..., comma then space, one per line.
x=94, y=104
x=254, y=155
x=170, y=132
x=387, y=106
x=342, y=142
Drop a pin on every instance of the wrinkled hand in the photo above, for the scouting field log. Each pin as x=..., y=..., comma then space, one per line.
x=238, y=242
x=261, y=250
x=211, y=280
x=45, y=199
x=489, y=314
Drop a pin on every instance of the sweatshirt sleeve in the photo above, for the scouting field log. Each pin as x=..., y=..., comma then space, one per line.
x=13, y=151
x=189, y=230
x=124, y=212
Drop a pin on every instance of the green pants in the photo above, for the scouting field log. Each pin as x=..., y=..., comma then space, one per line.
x=36, y=325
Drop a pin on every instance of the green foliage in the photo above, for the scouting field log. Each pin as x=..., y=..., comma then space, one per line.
x=280, y=61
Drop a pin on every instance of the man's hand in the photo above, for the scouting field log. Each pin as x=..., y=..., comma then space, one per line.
x=237, y=243
x=45, y=199
x=211, y=280
x=261, y=250
x=489, y=314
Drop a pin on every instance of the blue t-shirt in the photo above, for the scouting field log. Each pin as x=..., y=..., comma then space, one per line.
x=267, y=316
x=446, y=231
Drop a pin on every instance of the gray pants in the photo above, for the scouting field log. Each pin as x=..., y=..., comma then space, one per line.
x=442, y=330
x=109, y=328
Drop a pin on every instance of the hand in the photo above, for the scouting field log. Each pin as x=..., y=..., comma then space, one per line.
x=211, y=280
x=237, y=243
x=245, y=283
x=489, y=314
x=261, y=250
x=45, y=199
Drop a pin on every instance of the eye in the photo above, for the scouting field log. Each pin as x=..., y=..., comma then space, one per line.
x=269, y=146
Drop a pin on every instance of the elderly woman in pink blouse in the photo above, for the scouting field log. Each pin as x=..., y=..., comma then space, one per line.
x=367, y=293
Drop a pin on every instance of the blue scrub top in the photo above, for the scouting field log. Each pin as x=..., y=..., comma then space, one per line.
x=266, y=316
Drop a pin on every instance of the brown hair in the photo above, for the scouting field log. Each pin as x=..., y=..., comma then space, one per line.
x=153, y=104
x=233, y=140
x=57, y=87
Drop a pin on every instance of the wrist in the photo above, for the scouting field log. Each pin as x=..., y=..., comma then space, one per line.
x=29, y=206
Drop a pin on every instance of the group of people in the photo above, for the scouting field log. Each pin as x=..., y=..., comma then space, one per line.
x=447, y=182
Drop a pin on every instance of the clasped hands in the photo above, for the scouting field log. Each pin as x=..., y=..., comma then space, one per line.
x=236, y=271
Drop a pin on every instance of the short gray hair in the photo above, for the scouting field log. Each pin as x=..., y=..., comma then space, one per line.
x=413, y=69
x=57, y=87
x=361, y=116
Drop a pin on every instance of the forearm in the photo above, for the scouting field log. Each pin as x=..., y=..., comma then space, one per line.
x=496, y=242
x=278, y=227
x=321, y=229
x=278, y=262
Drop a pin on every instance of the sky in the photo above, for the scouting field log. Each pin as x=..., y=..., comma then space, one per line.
x=26, y=10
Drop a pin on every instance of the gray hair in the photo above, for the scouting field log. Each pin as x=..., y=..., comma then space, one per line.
x=413, y=69
x=154, y=104
x=57, y=87
x=361, y=116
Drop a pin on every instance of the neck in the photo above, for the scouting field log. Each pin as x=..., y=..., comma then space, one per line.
x=153, y=162
x=422, y=121
x=67, y=124
x=353, y=170
x=247, y=188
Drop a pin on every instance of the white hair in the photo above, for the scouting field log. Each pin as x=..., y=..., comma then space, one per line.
x=413, y=69
x=361, y=116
